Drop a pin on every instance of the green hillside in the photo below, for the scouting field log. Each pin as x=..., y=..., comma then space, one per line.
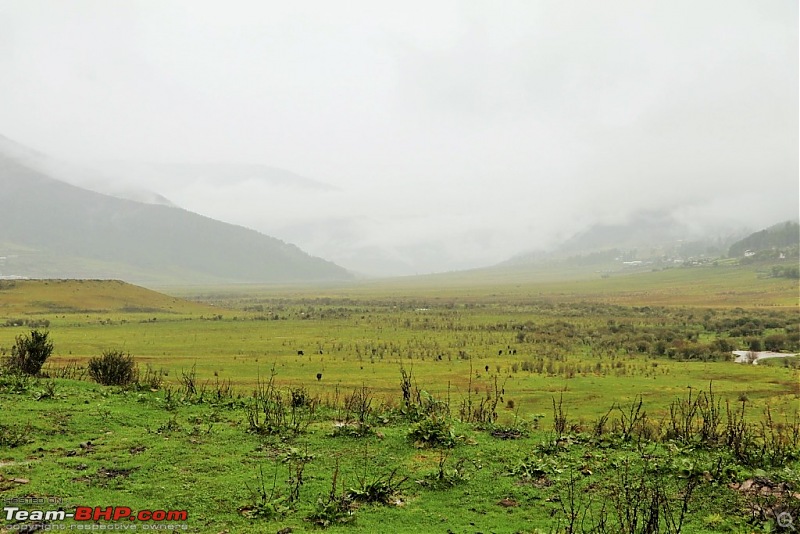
x=785, y=235
x=34, y=297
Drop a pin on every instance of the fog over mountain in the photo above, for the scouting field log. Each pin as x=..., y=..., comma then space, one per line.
x=80, y=175
x=52, y=229
x=421, y=136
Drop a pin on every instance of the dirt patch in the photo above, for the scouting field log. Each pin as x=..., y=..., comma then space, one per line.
x=104, y=476
x=765, y=487
x=767, y=499
x=540, y=483
x=113, y=473
x=10, y=483
x=507, y=434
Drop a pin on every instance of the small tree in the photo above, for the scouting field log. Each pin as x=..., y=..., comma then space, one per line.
x=29, y=353
x=112, y=368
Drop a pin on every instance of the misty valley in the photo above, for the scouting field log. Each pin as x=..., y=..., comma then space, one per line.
x=419, y=267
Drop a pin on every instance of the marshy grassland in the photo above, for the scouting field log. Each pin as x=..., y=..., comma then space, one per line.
x=472, y=402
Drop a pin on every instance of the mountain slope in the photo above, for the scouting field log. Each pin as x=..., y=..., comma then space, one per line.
x=782, y=235
x=91, y=232
x=78, y=175
x=644, y=235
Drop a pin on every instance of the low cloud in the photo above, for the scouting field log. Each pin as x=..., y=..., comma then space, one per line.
x=420, y=136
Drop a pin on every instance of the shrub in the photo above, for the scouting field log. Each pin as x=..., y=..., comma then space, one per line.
x=273, y=413
x=113, y=368
x=433, y=431
x=358, y=416
x=151, y=379
x=381, y=490
x=29, y=353
x=16, y=383
x=337, y=508
x=775, y=342
x=14, y=436
x=447, y=477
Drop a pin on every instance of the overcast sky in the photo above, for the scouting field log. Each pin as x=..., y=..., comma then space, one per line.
x=432, y=135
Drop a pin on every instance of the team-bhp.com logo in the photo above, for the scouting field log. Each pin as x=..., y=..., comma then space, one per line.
x=97, y=513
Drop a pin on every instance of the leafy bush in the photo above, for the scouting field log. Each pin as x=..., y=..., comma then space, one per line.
x=357, y=417
x=785, y=272
x=151, y=379
x=775, y=342
x=15, y=383
x=268, y=508
x=447, y=477
x=271, y=412
x=337, y=508
x=381, y=490
x=268, y=505
x=12, y=436
x=113, y=368
x=29, y=353
x=433, y=431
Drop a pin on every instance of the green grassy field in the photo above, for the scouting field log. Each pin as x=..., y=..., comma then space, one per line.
x=488, y=354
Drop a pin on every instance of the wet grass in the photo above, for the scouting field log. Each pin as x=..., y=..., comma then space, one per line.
x=517, y=346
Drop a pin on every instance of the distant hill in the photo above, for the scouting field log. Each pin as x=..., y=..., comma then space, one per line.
x=49, y=228
x=647, y=235
x=779, y=236
x=25, y=297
